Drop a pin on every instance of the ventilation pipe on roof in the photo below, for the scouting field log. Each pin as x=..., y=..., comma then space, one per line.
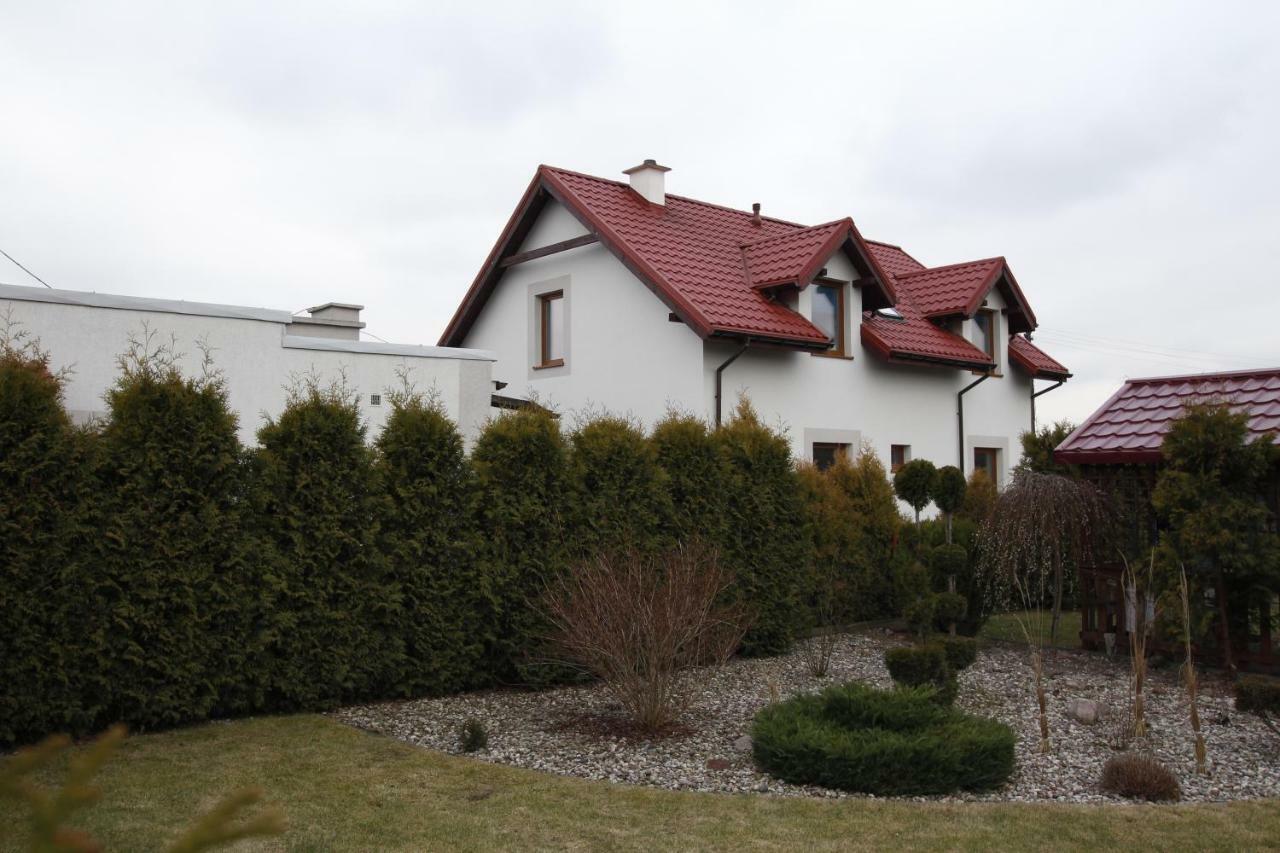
x=755, y=214
x=649, y=180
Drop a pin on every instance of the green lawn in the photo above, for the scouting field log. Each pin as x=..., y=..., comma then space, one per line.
x=1004, y=627
x=347, y=790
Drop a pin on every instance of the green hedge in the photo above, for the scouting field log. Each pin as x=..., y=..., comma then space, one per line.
x=898, y=742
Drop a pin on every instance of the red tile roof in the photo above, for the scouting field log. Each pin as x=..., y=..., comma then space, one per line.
x=1130, y=427
x=794, y=257
x=713, y=267
x=1034, y=360
x=944, y=291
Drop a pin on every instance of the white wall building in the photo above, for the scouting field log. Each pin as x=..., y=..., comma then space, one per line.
x=607, y=295
x=258, y=350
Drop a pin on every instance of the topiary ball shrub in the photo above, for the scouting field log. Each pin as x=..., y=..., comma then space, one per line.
x=949, y=607
x=960, y=652
x=919, y=614
x=883, y=742
x=922, y=666
x=1139, y=777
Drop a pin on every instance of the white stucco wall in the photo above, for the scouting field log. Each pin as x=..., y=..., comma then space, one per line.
x=254, y=351
x=624, y=355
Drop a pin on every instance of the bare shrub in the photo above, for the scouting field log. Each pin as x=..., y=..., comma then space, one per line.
x=637, y=622
x=1139, y=777
x=1120, y=727
x=1139, y=599
x=1189, y=676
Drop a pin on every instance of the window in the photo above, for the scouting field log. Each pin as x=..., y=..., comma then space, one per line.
x=984, y=332
x=551, y=329
x=828, y=314
x=987, y=459
x=825, y=453
x=899, y=455
x=375, y=399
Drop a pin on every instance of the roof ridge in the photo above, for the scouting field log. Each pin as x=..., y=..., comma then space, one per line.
x=685, y=198
x=752, y=243
x=999, y=258
x=1218, y=374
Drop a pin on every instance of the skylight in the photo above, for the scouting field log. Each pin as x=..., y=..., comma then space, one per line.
x=889, y=314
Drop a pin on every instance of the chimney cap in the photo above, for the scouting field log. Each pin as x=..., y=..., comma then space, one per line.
x=647, y=164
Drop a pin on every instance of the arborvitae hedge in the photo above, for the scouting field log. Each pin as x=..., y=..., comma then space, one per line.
x=766, y=539
x=169, y=563
x=432, y=548
x=688, y=453
x=618, y=493
x=333, y=605
x=521, y=466
x=46, y=675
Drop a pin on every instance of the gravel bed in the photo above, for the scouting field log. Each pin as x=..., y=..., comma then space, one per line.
x=546, y=730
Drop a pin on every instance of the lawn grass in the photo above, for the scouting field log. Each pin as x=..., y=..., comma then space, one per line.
x=348, y=790
x=1003, y=627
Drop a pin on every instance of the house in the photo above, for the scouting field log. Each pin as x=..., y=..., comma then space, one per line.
x=605, y=294
x=1118, y=448
x=259, y=351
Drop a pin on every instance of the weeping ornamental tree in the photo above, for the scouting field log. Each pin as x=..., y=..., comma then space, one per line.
x=1211, y=497
x=1043, y=527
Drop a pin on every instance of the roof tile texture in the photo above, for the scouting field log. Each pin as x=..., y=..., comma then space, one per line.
x=1130, y=427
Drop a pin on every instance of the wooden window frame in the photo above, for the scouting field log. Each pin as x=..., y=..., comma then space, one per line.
x=840, y=448
x=994, y=349
x=840, y=350
x=894, y=466
x=544, y=323
x=995, y=462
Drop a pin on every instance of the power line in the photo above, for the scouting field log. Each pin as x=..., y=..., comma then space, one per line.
x=25, y=270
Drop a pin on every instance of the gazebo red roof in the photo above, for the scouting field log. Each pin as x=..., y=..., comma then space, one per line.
x=1130, y=427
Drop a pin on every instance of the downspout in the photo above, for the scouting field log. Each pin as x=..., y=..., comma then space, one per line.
x=960, y=411
x=746, y=342
x=1034, y=394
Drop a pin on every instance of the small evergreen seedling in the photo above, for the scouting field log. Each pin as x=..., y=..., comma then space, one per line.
x=473, y=737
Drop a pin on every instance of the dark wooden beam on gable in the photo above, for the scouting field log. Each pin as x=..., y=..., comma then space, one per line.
x=542, y=252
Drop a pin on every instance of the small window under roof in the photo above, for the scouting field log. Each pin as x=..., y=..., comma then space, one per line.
x=889, y=314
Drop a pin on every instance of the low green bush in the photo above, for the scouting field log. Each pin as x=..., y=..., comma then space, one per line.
x=922, y=666
x=960, y=652
x=1259, y=696
x=898, y=742
x=919, y=615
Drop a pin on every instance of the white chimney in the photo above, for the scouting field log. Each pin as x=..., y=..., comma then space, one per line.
x=649, y=179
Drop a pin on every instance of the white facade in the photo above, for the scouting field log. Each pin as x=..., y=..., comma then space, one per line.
x=623, y=353
x=259, y=351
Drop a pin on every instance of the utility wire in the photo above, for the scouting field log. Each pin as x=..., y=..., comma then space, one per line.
x=25, y=270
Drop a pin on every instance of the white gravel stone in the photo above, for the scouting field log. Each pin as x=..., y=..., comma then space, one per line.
x=538, y=730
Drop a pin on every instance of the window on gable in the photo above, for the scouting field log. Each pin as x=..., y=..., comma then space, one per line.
x=825, y=453
x=551, y=329
x=828, y=315
x=984, y=332
x=899, y=455
x=987, y=459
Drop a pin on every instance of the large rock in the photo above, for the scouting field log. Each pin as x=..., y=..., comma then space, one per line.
x=1085, y=711
x=743, y=744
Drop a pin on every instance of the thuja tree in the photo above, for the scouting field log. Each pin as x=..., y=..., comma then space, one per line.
x=695, y=477
x=1210, y=494
x=1043, y=528
x=334, y=609
x=45, y=624
x=431, y=546
x=914, y=484
x=765, y=545
x=171, y=568
x=521, y=466
x=1038, y=446
x=617, y=490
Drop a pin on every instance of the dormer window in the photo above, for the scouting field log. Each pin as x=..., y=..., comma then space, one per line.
x=828, y=315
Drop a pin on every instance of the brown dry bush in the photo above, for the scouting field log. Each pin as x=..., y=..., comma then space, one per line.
x=1139, y=777
x=637, y=622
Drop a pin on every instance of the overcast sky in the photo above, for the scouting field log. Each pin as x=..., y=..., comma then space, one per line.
x=1122, y=157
